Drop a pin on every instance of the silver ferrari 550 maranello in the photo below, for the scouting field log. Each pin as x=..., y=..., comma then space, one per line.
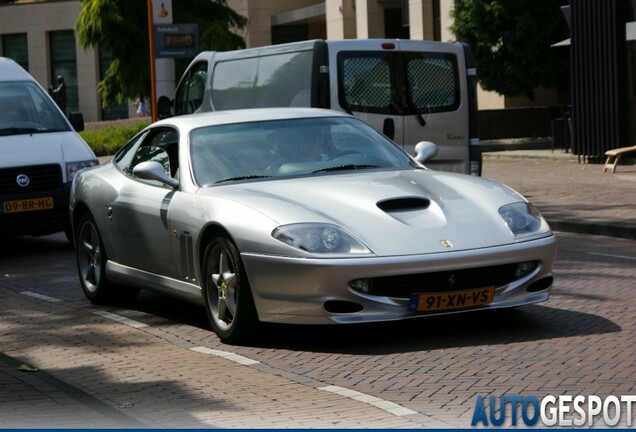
x=301, y=216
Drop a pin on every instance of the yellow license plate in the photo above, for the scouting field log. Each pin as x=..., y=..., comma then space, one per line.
x=33, y=204
x=432, y=302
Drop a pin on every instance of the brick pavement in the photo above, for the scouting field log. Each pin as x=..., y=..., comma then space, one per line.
x=141, y=378
x=98, y=373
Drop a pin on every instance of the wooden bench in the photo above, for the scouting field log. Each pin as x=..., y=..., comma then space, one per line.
x=614, y=157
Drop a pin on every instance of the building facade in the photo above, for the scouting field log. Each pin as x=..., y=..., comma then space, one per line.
x=39, y=35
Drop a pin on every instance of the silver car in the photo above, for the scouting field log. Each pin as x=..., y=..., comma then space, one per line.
x=303, y=216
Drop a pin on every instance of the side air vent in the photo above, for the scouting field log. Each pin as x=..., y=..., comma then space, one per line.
x=404, y=204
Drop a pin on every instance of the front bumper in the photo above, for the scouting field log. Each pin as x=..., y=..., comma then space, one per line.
x=37, y=222
x=318, y=291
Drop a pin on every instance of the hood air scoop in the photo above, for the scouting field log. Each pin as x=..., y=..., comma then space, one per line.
x=405, y=204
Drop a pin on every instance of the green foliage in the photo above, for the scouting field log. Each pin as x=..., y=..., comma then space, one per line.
x=512, y=42
x=107, y=141
x=120, y=28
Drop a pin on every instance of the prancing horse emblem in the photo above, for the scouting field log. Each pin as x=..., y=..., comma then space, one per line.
x=446, y=243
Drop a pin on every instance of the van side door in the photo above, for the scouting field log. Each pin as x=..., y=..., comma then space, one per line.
x=368, y=88
x=436, y=102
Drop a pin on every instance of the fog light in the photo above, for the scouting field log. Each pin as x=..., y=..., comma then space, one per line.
x=524, y=268
x=363, y=285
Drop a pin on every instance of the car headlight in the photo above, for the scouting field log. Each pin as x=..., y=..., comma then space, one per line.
x=73, y=167
x=523, y=219
x=319, y=238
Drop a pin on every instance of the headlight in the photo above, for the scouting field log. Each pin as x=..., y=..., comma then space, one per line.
x=73, y=167
x=319, y=238
x=523, y=219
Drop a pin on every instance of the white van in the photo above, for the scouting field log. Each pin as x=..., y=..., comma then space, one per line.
x=410, y=90
x=40, y=152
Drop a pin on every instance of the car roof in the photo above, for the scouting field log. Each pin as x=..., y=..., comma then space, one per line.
x=193, y=121
x=11, y=71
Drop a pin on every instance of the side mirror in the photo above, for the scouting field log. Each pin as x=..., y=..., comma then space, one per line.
x=425, y=151
x=164, y=107
x=388, y=128
x=151, y=170
x=77, y=121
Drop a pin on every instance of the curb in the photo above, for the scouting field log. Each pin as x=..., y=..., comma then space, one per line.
x=601, y=230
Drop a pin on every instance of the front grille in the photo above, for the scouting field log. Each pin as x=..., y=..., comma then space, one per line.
x=453, y=280
x=42, y=178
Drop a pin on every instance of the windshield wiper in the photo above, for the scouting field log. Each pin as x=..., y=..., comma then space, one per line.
x=247, y=177
x=344, y=168
x=18, y=130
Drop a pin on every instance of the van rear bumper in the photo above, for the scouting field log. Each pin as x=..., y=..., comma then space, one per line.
x=475, y=159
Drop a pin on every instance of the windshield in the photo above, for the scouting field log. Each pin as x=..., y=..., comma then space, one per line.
x=290, y=147
x=25, y=108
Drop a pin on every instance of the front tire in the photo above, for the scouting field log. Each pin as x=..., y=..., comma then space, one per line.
x=228, y=298
x=91, y=266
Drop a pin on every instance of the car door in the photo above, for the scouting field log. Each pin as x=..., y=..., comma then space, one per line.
x=139, y=214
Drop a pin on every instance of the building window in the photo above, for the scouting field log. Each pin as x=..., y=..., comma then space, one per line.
x=14, y=46
x=64, y=62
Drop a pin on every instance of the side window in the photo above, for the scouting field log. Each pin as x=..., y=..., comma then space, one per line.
x=189, y=96
x=365, y=82
x=433, y=83
x=151, y=153
x=160, y=145
x=233, y=84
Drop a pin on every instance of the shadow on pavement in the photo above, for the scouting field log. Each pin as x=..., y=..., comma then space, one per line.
x=495, y=327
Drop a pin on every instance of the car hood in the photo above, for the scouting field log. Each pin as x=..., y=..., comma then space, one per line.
x=43, y=148
x=392, y=212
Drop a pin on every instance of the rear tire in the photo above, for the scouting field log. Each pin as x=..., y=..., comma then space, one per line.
x=91, y=266
x=228, y=298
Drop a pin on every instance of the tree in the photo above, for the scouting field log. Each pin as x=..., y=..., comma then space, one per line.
x=120, y=27
x=511, y=41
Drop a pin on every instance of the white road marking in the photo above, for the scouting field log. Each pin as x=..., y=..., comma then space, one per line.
x=226, y=355
x=121, y=319
x=385, y=405
x=613, y=256
x=41, y=297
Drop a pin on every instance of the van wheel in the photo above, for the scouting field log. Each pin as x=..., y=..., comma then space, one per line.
x=228, y=299
x=91, y=266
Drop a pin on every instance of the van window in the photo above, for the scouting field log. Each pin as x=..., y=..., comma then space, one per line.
x=233, y=83
x=398, y=83
x=284, y=80
x=432, y=82
x=269, y=81
x=189, y=96
x=365, y=82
